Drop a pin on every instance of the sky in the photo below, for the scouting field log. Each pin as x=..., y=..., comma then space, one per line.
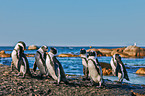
x=72, y=22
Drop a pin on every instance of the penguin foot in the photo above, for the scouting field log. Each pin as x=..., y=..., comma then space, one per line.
x=66, y=82
x=30, y=75
x=118, y=81
x=12, y=70
x=18, y=74
x=21, y=77
x=41, y=76
x=24, y=75
x=85, y=79
x=57, y=84
x=34, y=69
x=99, y=87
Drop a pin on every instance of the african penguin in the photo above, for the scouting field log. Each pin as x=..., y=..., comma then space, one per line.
x=23, y=65
x=95, y=70
x=19, y=60
x=83, y=56
x=40, y=60
x=15, y=54
x=118, y=68
x=54, y=67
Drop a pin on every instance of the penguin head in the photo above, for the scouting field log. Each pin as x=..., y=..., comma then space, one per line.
x=53, y=50
x=22, y=44
x=82, y=51
x=117, y=57
x=92, y=53
x=44, y=48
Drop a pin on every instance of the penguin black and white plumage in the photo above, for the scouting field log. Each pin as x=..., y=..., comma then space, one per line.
x=15, y=54
x=118, y=68
x=55, y=69
x=83, y=56
x=23, y=65
x=19, y=60
x=40, y=60
x=95, y=70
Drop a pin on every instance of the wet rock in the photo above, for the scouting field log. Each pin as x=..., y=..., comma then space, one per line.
x=138, y=92
x=119, y=49
x=30, y=55
x=106, y=71
x=141, y=71
x=32, y=47
x=105, y=51
x=105, y=65
x=67, y=55
x=130, y=51
x=120, y=53
x=134, y=51
x=3, y=54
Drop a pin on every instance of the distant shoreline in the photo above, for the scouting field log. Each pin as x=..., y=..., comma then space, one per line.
x=76, y=45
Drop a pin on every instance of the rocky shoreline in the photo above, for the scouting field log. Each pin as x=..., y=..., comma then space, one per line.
x=12, y=85
x=126, y=52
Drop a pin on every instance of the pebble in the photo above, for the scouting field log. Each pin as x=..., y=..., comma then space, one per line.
x=20, y=87
x=138, y=92
x=31, y=94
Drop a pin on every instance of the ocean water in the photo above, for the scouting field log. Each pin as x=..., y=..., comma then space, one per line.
x=73, y=65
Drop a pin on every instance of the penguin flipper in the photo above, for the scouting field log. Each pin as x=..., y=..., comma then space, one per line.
x=61, y=71
x=126, y=77
x=19, y=63
x=117, y=69
x=96, y=65
x=125, y=73
x=34, y=66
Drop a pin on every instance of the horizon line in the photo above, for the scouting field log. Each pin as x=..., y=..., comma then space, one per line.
x=79, y=45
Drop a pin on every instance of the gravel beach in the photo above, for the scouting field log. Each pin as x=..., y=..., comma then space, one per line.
x=12, y=85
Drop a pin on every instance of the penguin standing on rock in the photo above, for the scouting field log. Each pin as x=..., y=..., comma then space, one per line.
x=95, y=70
x=23, y=65
x=15, y=54
x=118, y=68
x=83, y=56
x=40, y=58
x=19, y=60
x=55, y=69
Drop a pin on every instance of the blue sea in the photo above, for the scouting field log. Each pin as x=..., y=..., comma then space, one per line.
x=73, y=65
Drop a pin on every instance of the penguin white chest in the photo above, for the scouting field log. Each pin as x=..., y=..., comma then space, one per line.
x=93, y=71
x=50, y=68
x=14, y=58
x=84, y=62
